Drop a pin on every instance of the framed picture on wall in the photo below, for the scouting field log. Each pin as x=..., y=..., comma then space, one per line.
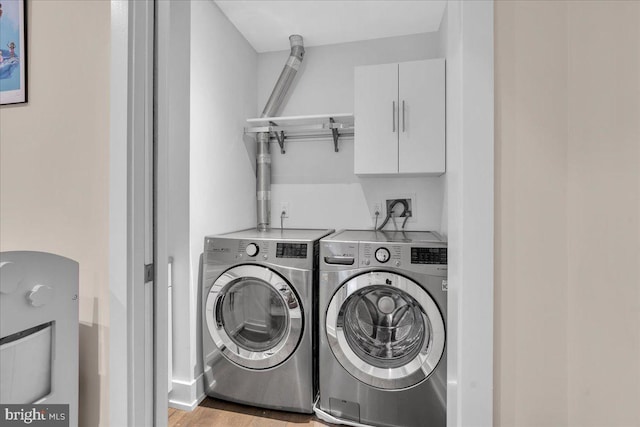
x=13, y=52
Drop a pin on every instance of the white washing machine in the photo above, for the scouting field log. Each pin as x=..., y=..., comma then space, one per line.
x=383, y=315
x=258, y=296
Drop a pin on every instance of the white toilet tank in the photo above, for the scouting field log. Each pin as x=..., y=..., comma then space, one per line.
x=39, y=330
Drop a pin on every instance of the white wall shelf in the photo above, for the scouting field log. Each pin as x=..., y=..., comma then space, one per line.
x=319, y=126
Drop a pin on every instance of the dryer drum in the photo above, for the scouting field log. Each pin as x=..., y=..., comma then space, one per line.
x=253, y=314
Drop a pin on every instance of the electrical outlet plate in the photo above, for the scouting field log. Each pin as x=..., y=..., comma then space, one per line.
x=284, y=207
x=376, y=207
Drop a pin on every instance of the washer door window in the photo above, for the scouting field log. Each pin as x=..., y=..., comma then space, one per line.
x=254, y=317
x=385, y=330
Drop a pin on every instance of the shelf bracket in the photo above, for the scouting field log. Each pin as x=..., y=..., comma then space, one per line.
x=294, y=128
x=279, y=137
x=336, y=136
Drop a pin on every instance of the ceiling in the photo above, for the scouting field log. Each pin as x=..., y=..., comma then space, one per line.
x=268, y=24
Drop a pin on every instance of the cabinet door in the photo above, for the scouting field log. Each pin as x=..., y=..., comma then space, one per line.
x=422, y=117
x=376, y=119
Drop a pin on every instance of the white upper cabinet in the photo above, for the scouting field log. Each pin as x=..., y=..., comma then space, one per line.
x=400, y=118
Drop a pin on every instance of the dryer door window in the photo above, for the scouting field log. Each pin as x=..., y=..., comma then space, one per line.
x=254, y=316
x=385, y=330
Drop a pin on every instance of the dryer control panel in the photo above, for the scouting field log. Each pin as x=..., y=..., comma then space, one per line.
x=283, y=253
x=291, y=250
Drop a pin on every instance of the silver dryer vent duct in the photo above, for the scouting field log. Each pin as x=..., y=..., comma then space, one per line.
x=263, y=153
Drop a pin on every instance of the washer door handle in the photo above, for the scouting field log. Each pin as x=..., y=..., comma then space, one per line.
x=340, y=260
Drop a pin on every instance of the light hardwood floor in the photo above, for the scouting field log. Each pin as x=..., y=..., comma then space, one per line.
x=212, y=412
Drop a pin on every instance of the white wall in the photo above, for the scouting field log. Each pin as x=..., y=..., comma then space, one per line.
x=221, y=182
x=177, y=95
x=318, y=183
x=223, y=92
x=324, y=82
x=54, y=170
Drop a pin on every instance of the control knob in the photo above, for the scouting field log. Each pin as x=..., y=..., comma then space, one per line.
x=382, y=255
x=252, y=249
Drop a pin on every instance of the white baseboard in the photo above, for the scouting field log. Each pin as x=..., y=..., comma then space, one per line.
x=187, y=395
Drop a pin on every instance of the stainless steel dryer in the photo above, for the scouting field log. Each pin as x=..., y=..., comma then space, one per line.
x=258, y=316
x=383, y=314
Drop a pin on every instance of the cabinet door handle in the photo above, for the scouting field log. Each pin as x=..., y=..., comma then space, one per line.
x=403, y=128
x=393, y=115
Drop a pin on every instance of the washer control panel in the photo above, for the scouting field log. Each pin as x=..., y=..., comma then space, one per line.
x=410, y=257
x=390, y=252
x=380, y=254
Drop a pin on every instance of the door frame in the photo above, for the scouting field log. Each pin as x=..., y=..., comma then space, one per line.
x=469, y=180
x=470, y=183
x=137, y=395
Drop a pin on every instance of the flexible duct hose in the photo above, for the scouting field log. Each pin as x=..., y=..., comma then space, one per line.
x=263, y=166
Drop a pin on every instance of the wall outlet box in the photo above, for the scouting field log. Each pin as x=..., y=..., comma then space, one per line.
x=398, y=205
